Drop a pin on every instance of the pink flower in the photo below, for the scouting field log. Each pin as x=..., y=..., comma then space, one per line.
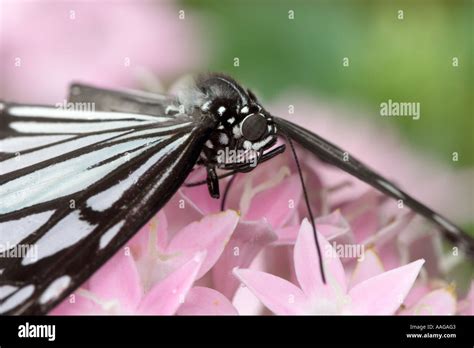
x=46, y=45
x=157, y=254
x=437, y=302
x=379, y=294
x=116, y=289
x=265, y=201
x=155, y=276
x=206, y=301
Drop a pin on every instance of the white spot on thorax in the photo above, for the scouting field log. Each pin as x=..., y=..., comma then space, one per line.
x=244, y=110
x=237, y=132
x=221, y=110
x=223, y=139
x=205, y=106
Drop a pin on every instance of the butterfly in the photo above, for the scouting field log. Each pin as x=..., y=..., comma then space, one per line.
x=76, y=185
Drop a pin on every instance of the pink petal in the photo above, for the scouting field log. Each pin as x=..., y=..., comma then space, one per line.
x=166, y=297
x=362, y=214
x=340, y=231
x=274, y=203
x=206, y=301
x=334, y=219
x=383, y=294
x=392, y=230
x=387, y=240
x=418, y=241
x=277, y=294
x=118, y=280
x=157, y=228
x=247, y=241
x=199, y=195
x=75, y=304
x=332, y=232
x=247, y=303
x=390, y=255
x=276, y=260
x=287, y=235
x=212, y=234
x=348, y=187
x=416, y=293
x=181, y=211
x=317, y=193
x=270, y=174
x=369, y=267
x=307, y=265
x=437, y=302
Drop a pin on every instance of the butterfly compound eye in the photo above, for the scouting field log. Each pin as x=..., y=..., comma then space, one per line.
x=254, y=127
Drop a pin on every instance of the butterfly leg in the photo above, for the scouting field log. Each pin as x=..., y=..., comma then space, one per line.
x=213, y=182
x=247, y=167
x=272, y=153
x=243, y=167
x=265, y=157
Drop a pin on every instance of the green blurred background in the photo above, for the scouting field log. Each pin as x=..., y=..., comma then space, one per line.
x=406, y=60
x=409, y=60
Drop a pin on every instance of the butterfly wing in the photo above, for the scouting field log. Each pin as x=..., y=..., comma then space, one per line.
x=130, y=101
x=334, y=155
x=75, y=186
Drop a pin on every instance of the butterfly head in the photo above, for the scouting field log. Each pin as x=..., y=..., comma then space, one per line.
x=255, y=129
x=241, y=128
x=242, y=124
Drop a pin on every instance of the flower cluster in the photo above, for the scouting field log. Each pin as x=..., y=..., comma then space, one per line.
x=257, y=257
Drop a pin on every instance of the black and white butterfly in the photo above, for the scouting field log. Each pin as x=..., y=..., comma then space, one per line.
x=77, y=185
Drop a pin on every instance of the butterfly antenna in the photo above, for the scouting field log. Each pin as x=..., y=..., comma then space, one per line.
x=310, y=212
